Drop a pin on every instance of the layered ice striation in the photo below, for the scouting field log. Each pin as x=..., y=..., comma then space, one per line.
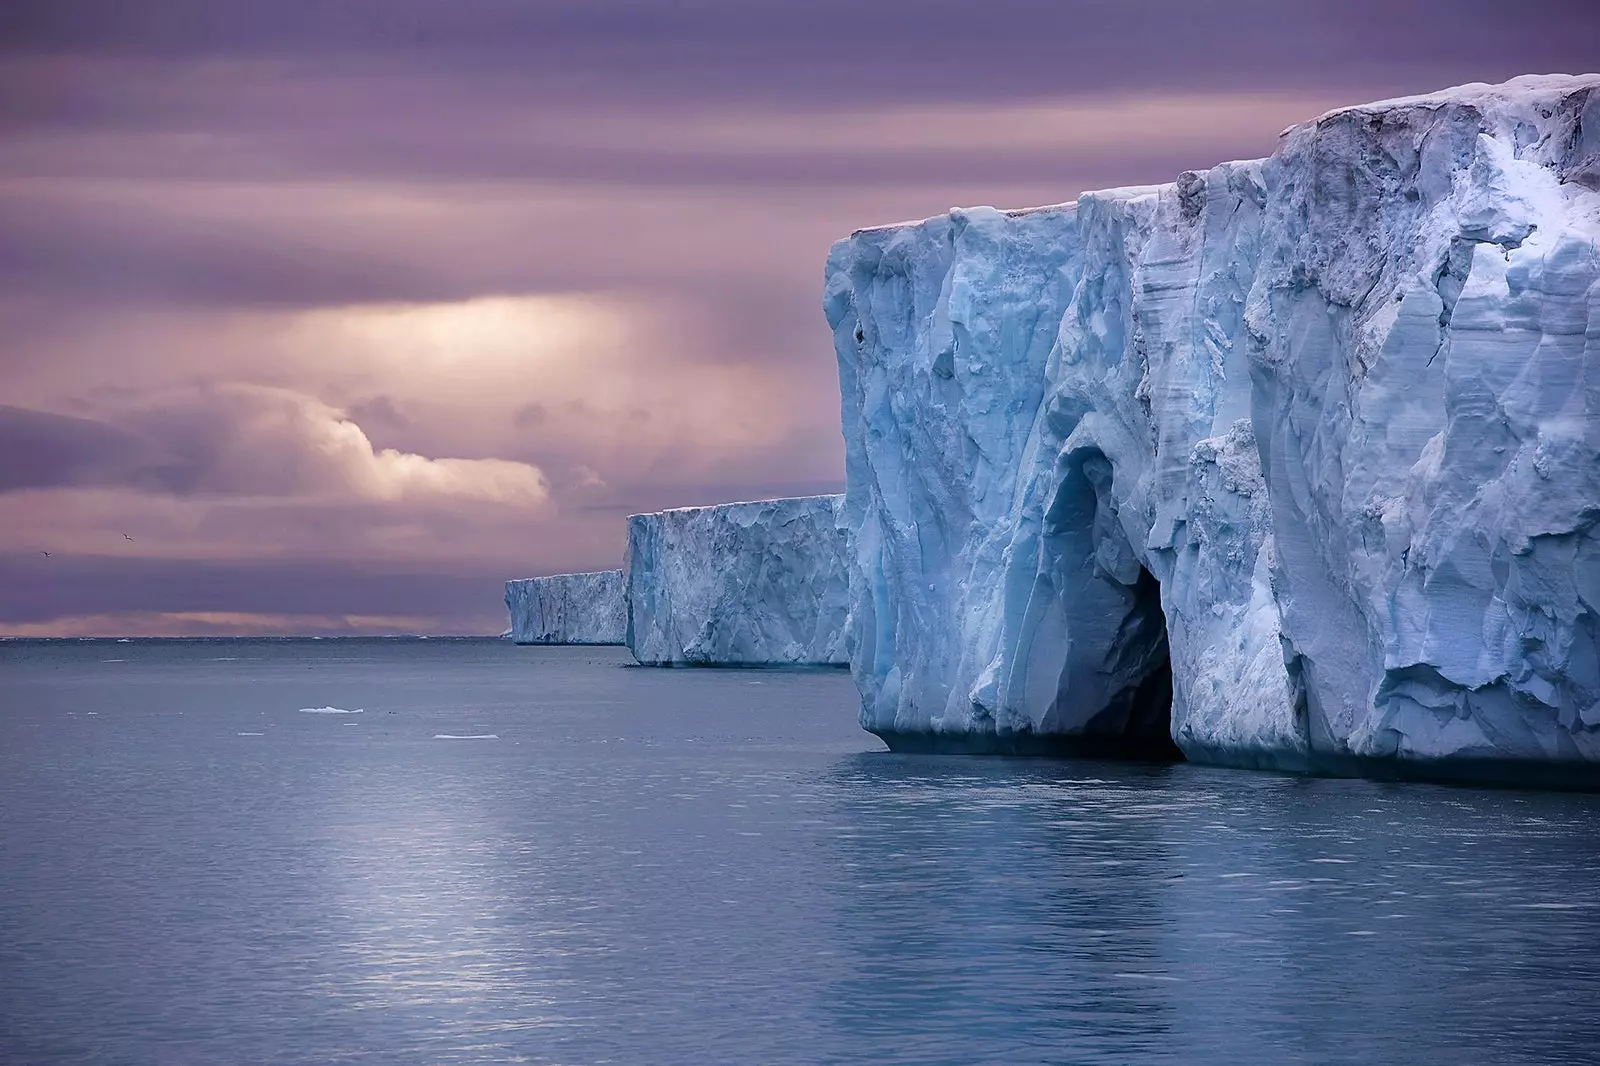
x=1292, y=463
x=568, y=609
x=739, y=584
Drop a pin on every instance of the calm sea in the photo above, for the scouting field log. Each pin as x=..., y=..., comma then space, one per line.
x=548, y=856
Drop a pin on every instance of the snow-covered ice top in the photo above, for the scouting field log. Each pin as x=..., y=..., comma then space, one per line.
x=1313, y=440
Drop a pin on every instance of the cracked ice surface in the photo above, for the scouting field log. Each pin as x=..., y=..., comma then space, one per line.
x=568, y=609
x=1337, y=412
x=738, y=584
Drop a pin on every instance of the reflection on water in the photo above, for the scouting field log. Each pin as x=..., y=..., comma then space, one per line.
x=705, y=866
x=1173, y=912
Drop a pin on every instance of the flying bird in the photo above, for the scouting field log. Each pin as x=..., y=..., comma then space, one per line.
x=45, y=554
x=126, y=537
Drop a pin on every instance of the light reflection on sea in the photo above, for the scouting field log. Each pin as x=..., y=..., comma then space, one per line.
x=616, y=864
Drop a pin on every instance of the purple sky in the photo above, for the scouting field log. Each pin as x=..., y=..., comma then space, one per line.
x=347, y=310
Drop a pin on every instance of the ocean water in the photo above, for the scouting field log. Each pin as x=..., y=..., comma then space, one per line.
x=544, y=855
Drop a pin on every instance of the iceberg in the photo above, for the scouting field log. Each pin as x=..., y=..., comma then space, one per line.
x=568, y=608
x=739, y=584
x=1291, y=463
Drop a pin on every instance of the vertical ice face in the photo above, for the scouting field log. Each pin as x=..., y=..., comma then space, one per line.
x=568, y=609
x=1314, y=441
x=738, y=584
x=942, y=329
x=1426, y=366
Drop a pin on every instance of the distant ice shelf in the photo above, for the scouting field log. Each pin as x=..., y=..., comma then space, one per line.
x=568, y=609
x=1291, y=463
x=760, y=583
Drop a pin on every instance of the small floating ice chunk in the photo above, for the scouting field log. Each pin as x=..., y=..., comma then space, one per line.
x=330, y=710
x=465, y=736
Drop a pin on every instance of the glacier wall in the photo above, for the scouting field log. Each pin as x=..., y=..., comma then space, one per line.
x=568, y=609
x=1311, y=443
x=738, y=584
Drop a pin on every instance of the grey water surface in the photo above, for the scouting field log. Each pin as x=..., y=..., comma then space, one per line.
x=629, y=865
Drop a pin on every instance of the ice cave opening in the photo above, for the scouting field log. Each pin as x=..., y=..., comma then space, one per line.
x=1113, y=689
x=1136, y=722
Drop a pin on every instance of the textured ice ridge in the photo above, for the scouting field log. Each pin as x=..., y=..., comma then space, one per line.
x=568, y=609
x=739, y=584
x=1313, y=440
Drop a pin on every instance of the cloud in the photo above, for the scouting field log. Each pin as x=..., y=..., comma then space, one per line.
x=650, y=396
x=824, y=49
x=471, y=130
x=245, y=441
x=225, y=623
x=40, y=449
x=529, y=415
x=380, y=412
x=92, y=595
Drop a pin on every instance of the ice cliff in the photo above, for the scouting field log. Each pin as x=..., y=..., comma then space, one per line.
x=738, y=584
x=1310, y=442
x=568, y=609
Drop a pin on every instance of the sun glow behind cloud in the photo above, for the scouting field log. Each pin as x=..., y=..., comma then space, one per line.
x=608, y=387
x=486, y=337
